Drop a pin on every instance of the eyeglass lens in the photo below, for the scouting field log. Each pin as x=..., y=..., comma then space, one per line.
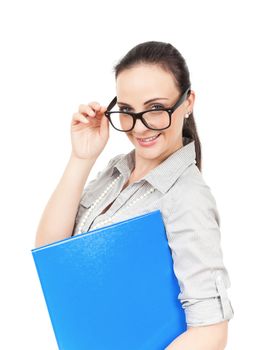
x=154, y=119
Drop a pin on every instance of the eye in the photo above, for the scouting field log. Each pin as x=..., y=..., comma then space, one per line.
x=158, y=106
x=122, y=109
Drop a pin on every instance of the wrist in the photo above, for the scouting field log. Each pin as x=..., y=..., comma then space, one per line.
x=79, y=160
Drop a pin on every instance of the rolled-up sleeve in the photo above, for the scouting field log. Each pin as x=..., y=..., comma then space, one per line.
x=194, y=239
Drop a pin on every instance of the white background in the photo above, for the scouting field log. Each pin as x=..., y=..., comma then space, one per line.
x=56, y=55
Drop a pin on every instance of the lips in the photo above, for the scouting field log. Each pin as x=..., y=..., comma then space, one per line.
x=148, y=139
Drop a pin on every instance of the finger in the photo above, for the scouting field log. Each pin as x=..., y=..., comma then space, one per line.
x=98, y=109
x=100, y=112
x=91, y=108
x=78, y=117
x=87, y=110
x=94, y=105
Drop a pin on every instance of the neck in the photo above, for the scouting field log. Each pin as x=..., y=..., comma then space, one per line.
x=144, y=165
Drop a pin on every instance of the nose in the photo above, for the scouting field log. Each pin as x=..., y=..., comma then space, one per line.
x=139, y=127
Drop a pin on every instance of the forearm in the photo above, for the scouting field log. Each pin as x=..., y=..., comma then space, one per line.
x=58, y=217
x=212, y=337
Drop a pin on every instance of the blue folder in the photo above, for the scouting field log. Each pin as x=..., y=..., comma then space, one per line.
x=112, y=288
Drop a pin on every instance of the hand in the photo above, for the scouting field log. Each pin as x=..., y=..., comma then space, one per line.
x=89, y=131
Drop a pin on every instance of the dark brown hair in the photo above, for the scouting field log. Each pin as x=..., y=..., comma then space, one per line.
x=171, y=60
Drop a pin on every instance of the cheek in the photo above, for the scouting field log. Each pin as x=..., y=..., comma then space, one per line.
x=177, y=122
x=167, y=135
x=130, y=136
x=176, y=118
x=173, y=132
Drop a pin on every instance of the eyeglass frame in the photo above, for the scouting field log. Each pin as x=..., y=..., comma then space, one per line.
x=139, y=115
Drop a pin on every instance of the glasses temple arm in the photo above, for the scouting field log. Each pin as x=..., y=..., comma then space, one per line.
x=112, y=103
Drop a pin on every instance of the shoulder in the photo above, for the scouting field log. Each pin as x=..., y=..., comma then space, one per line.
x=111, y=163
x=192, y=196
x=100, y=179
x=191, y=186
x=114, y=160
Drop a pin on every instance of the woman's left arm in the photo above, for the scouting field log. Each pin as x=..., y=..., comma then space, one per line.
x=212, y=337
x=193, y=231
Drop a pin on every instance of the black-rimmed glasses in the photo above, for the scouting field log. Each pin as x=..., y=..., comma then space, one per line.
x=154, y=119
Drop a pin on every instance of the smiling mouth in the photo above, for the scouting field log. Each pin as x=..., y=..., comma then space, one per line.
x=148, y=139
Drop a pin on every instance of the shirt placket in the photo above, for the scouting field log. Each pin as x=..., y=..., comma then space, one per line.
x=120, y=199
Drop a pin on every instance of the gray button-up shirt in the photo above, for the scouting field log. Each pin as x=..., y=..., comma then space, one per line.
x=191, y=221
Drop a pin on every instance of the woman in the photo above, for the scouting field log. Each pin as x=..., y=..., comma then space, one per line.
x=163, y=171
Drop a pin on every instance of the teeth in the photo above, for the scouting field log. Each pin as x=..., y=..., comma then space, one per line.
x=149, y=138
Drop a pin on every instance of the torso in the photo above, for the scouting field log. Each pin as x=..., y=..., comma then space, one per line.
x=108, y=207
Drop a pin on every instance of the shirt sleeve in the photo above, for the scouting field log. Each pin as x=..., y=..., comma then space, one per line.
x=194, y=239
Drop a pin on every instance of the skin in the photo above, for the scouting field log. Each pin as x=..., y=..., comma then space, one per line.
x=134, y=91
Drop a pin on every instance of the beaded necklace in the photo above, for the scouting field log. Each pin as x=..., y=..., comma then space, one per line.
x=110, y=219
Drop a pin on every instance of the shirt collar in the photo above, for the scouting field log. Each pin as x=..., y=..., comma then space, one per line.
x=165, y=174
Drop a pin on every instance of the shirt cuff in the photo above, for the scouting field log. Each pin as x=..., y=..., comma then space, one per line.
x=203, y=312
x=209, y=310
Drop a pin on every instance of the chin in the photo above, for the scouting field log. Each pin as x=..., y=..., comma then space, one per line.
x=150, y=153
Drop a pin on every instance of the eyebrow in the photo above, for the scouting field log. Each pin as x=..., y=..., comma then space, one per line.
x=145, y=103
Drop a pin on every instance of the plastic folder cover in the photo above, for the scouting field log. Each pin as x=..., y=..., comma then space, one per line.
x=113, y=287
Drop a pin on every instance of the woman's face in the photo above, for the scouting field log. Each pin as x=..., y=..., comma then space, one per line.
x=139, y=84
